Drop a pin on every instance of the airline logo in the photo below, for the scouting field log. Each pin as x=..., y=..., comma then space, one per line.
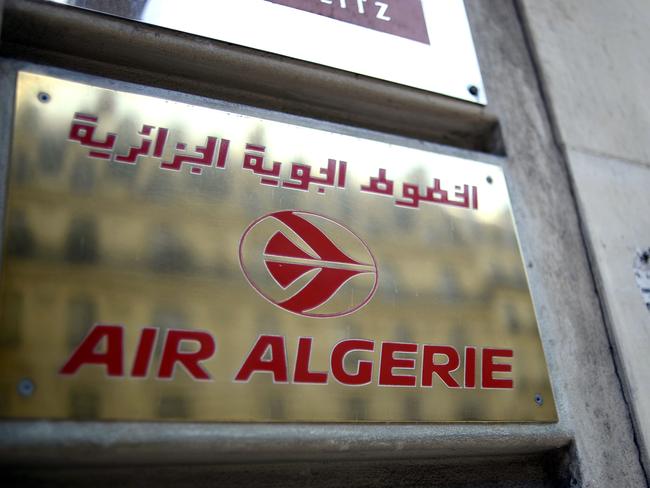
x=308, y=264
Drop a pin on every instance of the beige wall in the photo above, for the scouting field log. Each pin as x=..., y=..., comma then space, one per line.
x=595, y=70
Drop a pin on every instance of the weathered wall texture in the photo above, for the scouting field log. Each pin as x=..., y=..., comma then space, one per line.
x=571, y=322
x=596, y=71
x=592, y=58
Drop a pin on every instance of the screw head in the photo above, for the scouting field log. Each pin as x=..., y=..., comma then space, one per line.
x=473, y=90
x=26, y=387
x=489, y=179
x=43, y=97
x=539, y=400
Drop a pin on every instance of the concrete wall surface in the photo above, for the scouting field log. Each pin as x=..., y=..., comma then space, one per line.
x=596, y=71
x=593, y=63
x=614, y=201
x=571, y=322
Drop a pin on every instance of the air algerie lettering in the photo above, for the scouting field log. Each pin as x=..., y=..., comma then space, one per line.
x=439, y=364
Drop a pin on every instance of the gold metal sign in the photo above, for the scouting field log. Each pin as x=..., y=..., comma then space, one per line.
x=169, y=261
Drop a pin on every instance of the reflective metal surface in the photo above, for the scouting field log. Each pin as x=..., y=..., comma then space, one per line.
x=168, y=261
x=424, y=44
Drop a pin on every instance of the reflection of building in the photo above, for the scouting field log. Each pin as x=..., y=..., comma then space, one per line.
x=92, y=241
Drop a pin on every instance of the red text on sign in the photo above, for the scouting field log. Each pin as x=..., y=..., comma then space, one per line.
x=397, y=365
x=104, y=346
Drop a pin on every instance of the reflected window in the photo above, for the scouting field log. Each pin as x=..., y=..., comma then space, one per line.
x=222, y=270
x=82, y=313
x=346, y=204
x=252, y=204
x=81, y=244
x=7, y=390
x=351, y=359
x=166, y=318
x=501, y=275
x=20, y=239
x=173, y=407
x=403, y=333
x=288, y=199
x=439, y=231
x=505, y=238
x=476, y=230
x=411, y=408
x=389, y=281
x=83, y=404
x=211, y=185
x=458, y=337
x=126, y=174
x=160, y=185
x=450, y=286
x=168, y=253
x=12, y=319
x=405, y=219
x=374, y=227
x=276, y=407
x=24, y=150
x=357, y=408
x=511, y=318
x=470, y=410
x=54, y=157
x=267, y=324
x=82, y=176
x=21, y=172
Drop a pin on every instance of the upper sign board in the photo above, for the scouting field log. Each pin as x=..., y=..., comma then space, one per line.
x=171, y=261
x=425, y=44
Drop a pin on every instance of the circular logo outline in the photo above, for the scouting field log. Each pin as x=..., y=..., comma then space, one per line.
x=252, y=283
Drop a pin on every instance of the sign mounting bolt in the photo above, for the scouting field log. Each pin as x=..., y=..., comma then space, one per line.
x=26, y=387
x=473, y=90
x=44, y=97
x=539, y=400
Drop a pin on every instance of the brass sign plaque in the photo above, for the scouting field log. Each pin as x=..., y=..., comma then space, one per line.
x=170, y=261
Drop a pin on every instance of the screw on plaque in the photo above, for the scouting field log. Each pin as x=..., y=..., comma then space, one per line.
x=43, y=97
x=473, y=90
x=489, y=179
x=26, y=387
x=539, y=400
